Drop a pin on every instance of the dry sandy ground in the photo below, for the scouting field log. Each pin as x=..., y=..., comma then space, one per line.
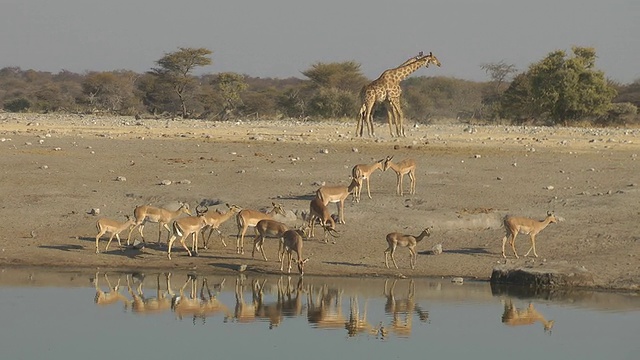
x=57, y=168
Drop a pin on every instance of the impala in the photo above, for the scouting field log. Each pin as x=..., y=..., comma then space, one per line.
x=215, y=219
x=163, y=217
x=249, y=218
x=317, y=210
x=514, y=225
x=409, y=241
x=112, y=227
x=404, y=167
x=337, y=194
x=186, y=226
x=515, y=317
x=268, y=228
x=292, y=241
x=362, y=172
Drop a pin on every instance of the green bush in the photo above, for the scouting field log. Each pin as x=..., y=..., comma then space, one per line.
x=17, y=105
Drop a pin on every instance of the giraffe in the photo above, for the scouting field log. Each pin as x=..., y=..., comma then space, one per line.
x=386, y=89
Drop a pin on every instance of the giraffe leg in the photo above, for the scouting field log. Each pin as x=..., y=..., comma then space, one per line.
x=390, y=116
x=397, y=111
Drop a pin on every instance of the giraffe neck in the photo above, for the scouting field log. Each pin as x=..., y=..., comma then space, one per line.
x=403, y=71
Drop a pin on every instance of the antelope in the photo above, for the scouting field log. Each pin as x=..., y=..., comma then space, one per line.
x=215, y=219
x=514, y=225
x=186, y=226
x=249, y=218
x=108, y=297
x=337, y=194
x=112, y=227
x=406, y=166
x=163, y=217
x=362, y=172
x=292, y=241
x=268, y=228
x=397, y=239
x=317, y=210
x=515, y=317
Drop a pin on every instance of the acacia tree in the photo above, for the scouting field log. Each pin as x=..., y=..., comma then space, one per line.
x=175, y=69
x=563, y=89
x=230, y=86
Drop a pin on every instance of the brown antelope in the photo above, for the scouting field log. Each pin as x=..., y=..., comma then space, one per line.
x=362, y=172
x=409, y=241
x=249, y=218
x=515, y=317
x=514, y=225
x=404, y=167
x=215, y=219
x=186, y=226
x=112, y=227
x=337, y=194
x=268, y=228
x=109, y=297
x=317, y=210
x=163, y=217
x=292, y=241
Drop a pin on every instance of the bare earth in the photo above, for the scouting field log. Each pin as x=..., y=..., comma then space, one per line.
x=57, y=168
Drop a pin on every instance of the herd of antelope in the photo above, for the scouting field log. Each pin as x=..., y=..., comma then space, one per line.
x=291, y=240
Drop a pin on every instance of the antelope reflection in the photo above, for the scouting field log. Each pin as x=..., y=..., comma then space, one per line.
x=325, y=310
x=358, y=324
x=513, y=316
x=141, y=304
x=109, y=297
x=201, y=307
x=402, y=310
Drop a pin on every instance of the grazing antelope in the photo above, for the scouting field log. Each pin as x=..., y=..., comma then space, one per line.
x=515, y=317
x=397, y=239
x=337, y=194
x=317, y=210
x=362, y=172
x=249, y=218
x=186, y=226
x=292, y=241
x=514, y=225
x=406, y=166
x=114, y=228
x=163, y=217
x=215, y=219
x=268, y=228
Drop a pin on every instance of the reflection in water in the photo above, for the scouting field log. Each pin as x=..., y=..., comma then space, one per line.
x=206, y=305
x=514, y=317
x=358, y=324
x=402, y=310
x=141, y=304
x=324, y=307
x=111, y=296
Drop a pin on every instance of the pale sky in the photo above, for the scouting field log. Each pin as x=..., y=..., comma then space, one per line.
x=281, y=38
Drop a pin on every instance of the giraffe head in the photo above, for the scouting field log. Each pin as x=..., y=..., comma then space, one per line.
x=432, y=59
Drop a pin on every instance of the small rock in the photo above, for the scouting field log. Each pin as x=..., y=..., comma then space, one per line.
x=324, y=151
x=549, y=187
x=165, y=182
x=457, y=280
x=94, y=211
x=121, y=178
x=242, y=267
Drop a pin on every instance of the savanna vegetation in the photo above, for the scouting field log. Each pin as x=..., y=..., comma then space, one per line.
x=561, y=88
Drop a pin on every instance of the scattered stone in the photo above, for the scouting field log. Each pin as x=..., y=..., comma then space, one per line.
x=548, y=276
x=549, y=187
x=184, y=182
x=165, y=182
x=94, y=211
x=457, y=280
x=436, y=249
x=242, y=267
x=121, y=178
x=44, y=167
x=324, y=151
x=477, y=156
x=355, y=150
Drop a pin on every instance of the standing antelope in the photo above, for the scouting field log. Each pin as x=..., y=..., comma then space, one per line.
x=406, y=166
x=362, y=172
x=397, y=239
x=215, y=219
x=317, y=210
x=114, y=228
x=292, y=241
x=163, y=217
x=268, y=228
x=249, y=218
x=186, y=226
x=337, y=194
x=514, y=225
